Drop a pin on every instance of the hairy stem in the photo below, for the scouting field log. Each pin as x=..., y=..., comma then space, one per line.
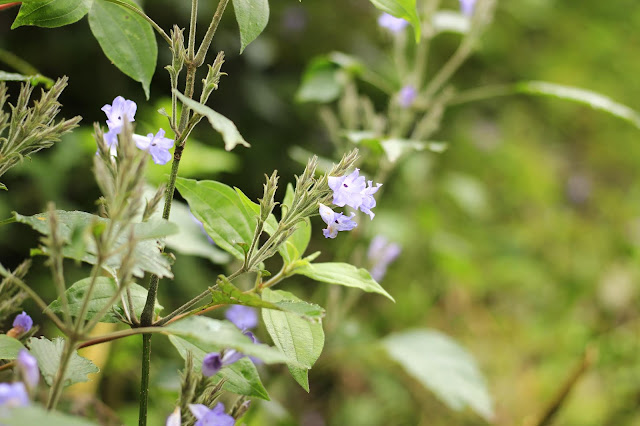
x=58, y=382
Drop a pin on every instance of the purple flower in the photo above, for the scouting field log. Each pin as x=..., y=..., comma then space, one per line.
x=352, y=190
x=174, y=418
x=335, y=222
x=211, y=417
x=213, y=362
x=13, y=394
x=381, y=253
x=393, y=24
x=117, y=112
x=23, y=322
x=407, y=95
x=467, y=6
x=29, y=368
x=243, y=317
x=158, y=146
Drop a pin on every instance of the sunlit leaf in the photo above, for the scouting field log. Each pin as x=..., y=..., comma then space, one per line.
x=51, y=13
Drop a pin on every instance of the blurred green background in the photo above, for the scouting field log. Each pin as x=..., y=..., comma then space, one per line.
x=520, y=241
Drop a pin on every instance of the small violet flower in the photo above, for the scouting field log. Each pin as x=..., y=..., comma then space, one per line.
x=467, y=6
x=393, y=24
x=174, y=418
x=13, y=395
x=29, y=368
x=381, y=253
x=211, y=417
x=213, y=362
x=353, y=191
x=407, y=96
x=335, y=222
x=116, y=113
x=244, y=317
x=156, y=145
x=23, y=321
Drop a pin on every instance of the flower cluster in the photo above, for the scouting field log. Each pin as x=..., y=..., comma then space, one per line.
x=243, y=317
x=350, y=190
x=123, y=110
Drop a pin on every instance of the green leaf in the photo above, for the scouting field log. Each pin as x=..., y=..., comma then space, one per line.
x=224, y=215
x=270, y=225
x=48, y=354
x=252, y=17
x=225, y=293
x=33, y=79
x=342, y=274
x=126, y=39
x=104, y=288
x=192, y=239
x=51, y=13
x=322, y=81
x=211, y=335
x=241, y=377
x=300, y=340
x=219, y=122
x=586, y=97
x=9, y=347
x=405, y=9
x=396, y=148
x=147, y=251
x=36, y=415
x=442, y=366
x=294, y=247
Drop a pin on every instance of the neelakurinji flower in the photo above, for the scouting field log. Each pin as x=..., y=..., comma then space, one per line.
x=156, y=145
x=380, y=254
x=407, y=95
x=29, y=368
x=13, y=395
x=335, y=222
x=243, y=317
x=23, y=322
x=120, y=109
x=392, y=23
x=352, y=190
x=467, y=7
x=215, y=416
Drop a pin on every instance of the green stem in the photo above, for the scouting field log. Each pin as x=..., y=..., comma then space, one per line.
x=18, y=64
x=58, y=382
x=449, y=68
x=211, y=31
x=145, y=16
x=144, y=379
x=483, y=93
x=8, y=221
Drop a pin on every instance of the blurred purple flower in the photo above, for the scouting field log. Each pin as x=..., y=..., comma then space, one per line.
x=213, y=362
x=23, y=321
x=335, y=222
x=244, y=317
x=156, y=145
x=294, y=19
x=380, y=254
x=174, y=418
x=211, y=417
x=467, y=6
x=392, y=23
x=407, y=95
x=204, y=231
x=13, y=394
x=29, y=368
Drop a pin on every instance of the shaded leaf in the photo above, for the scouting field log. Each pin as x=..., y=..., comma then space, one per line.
x=300, y=340
x=104, y=288
x=126, y=39
x=224, y=215
x=37, y=415
x=9, y=347
x=342, y=274
x=147, y=251
x=51, y=13
x=219, y=122
x=241, y=377
x=442, y=366
x=211, y=335
x=252, y=17
x=322, y=81
x=48, y=354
